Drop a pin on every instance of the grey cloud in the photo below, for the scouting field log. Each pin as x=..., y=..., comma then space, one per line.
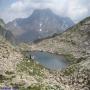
x=75, y=9
x=41, y=1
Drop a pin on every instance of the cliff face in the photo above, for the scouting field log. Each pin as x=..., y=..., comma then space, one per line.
x=6, y=34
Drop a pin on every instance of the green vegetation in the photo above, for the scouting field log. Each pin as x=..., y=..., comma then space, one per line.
x=2, y=78
x=30, y=67
x=18, y=86
x=2, y=23
x=70, y=58
x=5, y=78
x=34, y=69
x=70, y=70
x=42, y=87
x=33, y=87
x=9, y=72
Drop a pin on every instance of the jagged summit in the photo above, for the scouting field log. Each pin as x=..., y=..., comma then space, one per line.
x=42, y=11
x=42, y=23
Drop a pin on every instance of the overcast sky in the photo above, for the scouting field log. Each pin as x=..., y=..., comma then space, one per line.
x=75, y=9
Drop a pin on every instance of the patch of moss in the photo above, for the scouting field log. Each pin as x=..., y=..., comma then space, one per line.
x=81, y=59
x=9, y=72
x=30, y=67
x=15, y=86
x=70, y=70
x=39, y=87
x=42, y=87
x=3, y=78
x=70, y=58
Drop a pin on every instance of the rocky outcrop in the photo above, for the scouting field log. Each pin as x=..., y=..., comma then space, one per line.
x=6, y=34
x=9, y=57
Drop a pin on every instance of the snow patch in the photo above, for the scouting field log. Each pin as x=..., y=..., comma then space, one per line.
x=40, y=30
x=40, y=24
x=15, y=24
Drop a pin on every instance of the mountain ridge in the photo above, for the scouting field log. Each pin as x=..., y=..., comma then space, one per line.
x=25, y=74
x=41, y=24
x=74, y=44
x=6, y=34
x=70, y=33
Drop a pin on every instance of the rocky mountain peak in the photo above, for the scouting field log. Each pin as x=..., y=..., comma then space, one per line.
x=42, y=11
x=42, y=23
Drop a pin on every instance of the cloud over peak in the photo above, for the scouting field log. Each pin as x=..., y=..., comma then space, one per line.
x=75, y=9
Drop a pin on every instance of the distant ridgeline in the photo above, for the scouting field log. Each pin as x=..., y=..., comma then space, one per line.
x=2, y=23
x=41, y=24
x=6, y=34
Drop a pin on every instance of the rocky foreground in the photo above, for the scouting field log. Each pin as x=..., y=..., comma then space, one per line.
x=22, y=73
x=18, y=72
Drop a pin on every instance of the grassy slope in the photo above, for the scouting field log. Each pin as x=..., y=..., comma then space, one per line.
x=29, y=75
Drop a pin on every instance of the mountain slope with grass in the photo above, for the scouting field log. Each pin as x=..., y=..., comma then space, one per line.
x=19, y=72
x=74, y=44
x=22, y=73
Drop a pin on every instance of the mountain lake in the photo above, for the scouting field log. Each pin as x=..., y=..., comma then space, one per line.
x=48, y=60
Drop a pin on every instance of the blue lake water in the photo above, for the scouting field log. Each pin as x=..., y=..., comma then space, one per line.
x=50, y=61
